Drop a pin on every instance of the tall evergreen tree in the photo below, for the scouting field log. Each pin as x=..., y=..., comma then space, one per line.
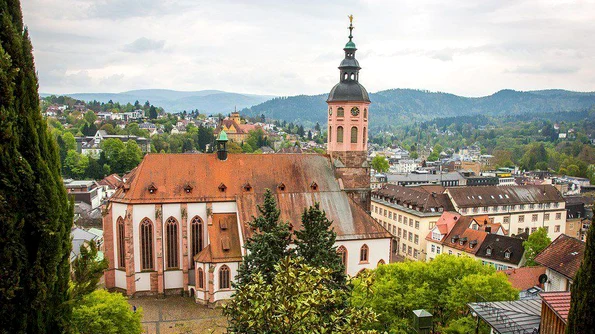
x=581, y=318
x=35, y=213
x=315, y=242
x=268, y=245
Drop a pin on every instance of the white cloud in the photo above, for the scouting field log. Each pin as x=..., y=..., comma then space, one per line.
x=285, y=47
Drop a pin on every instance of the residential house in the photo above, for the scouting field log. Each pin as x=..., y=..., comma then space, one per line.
x=562, y=258
x=554, y=312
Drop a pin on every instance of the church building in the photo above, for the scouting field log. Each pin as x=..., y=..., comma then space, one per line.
x=179, y=223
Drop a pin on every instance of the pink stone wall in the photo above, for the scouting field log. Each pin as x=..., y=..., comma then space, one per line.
x=347, y=122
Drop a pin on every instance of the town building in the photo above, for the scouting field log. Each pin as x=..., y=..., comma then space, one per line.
x=234, y=128
x=450, y=179
x=409, y=213
x=517, y=208
x=554, y=312
x=562, y=258
x=526, y=280
x=179, y=222
x=91, y=145
x=477, y=237
x=85, y=191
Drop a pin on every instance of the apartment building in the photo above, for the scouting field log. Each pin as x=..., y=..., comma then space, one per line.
x=517, y=208
x=409, y=213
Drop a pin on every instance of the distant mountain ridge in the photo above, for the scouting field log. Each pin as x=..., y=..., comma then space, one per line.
x=402, y=106
x=206, y=101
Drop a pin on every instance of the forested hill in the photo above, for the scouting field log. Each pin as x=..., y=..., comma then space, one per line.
x=399, y=106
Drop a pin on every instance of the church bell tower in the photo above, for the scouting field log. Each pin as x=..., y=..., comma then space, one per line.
x=347, y=143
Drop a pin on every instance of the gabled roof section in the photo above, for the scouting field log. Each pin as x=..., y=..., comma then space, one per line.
x=563, y=255
x=418, y=198
x=350, y=221
x=524, y=278
x=224, y=237
x=171, y=173
x=559, y=302
x=500, y=245
x=465, y=197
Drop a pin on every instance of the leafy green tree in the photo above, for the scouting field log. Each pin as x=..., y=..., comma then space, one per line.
x=400, y=288
x=268, y=245
x=380, y=164
x=132, y=155
x=87, y=270
x=536, y=242
x=35, y=212
x=75, y=164
x=315, y=242
x=296, y=300
x=105, y=312
x=233, y=147
x=90, y=117
x=581, y=318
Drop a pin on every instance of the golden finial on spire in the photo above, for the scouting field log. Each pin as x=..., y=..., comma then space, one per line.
x=350, y=19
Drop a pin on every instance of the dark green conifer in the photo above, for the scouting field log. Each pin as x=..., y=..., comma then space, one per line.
x=35, y=213
x=581, y=318
x=315, y=242
x=268, y=244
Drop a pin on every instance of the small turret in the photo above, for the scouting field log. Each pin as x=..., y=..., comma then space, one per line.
x=222, y=146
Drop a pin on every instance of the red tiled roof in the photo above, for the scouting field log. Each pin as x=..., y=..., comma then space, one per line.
x=240, y=128
x=224, y=239
x=445, y=223
x=563, y=255
x=559, y=302
x=462, y=230
x=112, y=181
x=524, y=278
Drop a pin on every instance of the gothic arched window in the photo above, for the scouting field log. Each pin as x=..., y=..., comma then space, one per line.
x=342, y=251
x=196, y=235
x=201, y=279
x=121, y=243
x=354, y=135
x=339, y=134
x=224, y=279
x=146, y=245
x=171, y=230
x=363, y=254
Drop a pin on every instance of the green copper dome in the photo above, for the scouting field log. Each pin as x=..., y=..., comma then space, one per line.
x=350, y=45
x=222, y=136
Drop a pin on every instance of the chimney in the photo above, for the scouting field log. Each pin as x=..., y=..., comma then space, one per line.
x=488, y=229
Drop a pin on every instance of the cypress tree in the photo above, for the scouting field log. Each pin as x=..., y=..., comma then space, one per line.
x=268, y=245
x=315, y=242
x=581, y=319
x=35, y=213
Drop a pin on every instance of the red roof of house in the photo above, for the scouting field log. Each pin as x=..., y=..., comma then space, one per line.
x=112, y=181
x=524, y=278
x=559, y=302
x=563, y=255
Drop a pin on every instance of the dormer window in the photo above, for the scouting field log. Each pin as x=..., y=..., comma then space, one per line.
x=507, y=254
x=281, y=187
x=222, y=187
x=225, y=244
x=314, y=186
x=188, y=188
x=454, y=239
x=462, y=241
x=472, y=243
x=223, y=224
x=489, y=251
x=247, y=187
x=152, y=188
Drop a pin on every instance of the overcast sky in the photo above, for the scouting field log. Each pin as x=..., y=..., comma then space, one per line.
x=278, y=47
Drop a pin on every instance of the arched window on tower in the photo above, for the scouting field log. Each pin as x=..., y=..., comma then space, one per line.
x=354, y=135
x=352, y=76
x=365, y=112
x=365, y=136
x=345, y=76
x=339, y=134
x=342, y=251
x=330, y=133
x=201, y=279
x=340, y=112
x=224, y=279
x=363, y=254
x=146, y=245
x=171, y=230
x=121, y=243
x=196, y=235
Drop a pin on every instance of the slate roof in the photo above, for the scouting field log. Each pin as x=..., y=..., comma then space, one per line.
x=563, y=255
x=524, y=278
x=422, y=199
x=559, y=302
x=465, y=197
x=500, y=244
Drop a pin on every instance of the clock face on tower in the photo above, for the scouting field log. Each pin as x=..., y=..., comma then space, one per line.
x=355, y=111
